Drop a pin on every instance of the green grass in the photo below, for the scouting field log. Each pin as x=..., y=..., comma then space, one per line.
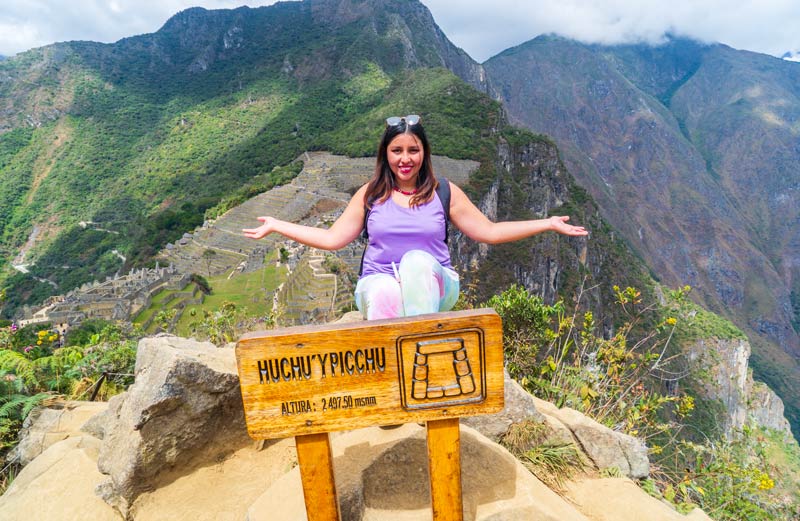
x=165, y=295
x=145, y=315
x=157, y=303
x=700, y=323
x=252, y=291
x=784, y=457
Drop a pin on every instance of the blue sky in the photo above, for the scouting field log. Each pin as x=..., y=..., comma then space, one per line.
x=483, y=28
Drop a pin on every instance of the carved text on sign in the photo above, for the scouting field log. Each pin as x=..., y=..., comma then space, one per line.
x=342, y=363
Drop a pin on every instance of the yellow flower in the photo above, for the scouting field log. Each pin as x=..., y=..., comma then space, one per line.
x=672, y=321
x=685, y=405
x=38, y=342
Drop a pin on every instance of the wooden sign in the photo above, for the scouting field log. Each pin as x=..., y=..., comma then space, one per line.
x=314, y=379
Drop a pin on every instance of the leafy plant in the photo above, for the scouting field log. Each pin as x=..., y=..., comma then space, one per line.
x=561, y=358
x=729, y=480
x=227, y=323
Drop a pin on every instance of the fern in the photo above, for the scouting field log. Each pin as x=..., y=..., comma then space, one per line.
x=20, y=365
x=63, y=358
x=55, y=367
x=20, y=403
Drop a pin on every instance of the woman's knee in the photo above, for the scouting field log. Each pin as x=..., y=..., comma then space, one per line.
x=417, y=258
x=379, y=296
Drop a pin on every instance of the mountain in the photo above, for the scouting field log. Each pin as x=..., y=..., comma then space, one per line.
x=110, y=151
x=691, y=152
x=142, y=136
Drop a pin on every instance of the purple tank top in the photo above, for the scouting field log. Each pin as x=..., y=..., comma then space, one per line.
x=394, y=230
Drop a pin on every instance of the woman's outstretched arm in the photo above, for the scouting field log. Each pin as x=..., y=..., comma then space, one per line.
x=340, y=234
x=469, y=219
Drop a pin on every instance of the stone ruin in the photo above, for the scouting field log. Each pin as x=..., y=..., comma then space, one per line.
x=117, y=298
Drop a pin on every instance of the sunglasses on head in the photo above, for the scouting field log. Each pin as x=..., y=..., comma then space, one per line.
x=411, y=119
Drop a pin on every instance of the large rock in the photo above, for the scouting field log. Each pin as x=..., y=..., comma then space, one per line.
x=383, y=475
x=45, y=426
x=58, y=485
x=519, y=406
x=105, y=420
x=185, y=405
x=606, y=448
x=620, y=499
x=765, y=408
x=380, y=475
x=220, y=491
x=723, y=364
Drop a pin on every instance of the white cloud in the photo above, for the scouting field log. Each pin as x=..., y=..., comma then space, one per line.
x=481, y=27
x=484, y=29
x=17, y=36
x=25, y=24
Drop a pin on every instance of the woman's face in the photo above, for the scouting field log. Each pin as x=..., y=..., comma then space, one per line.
x=405, y=155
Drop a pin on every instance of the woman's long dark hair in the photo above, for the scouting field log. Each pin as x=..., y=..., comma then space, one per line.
x=380, y=186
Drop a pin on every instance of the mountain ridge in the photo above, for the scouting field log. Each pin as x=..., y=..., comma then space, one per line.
x=687, y=148
x=155, y=127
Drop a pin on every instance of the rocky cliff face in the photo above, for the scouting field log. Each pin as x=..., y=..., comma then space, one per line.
x=766, y=408
x=720, y=366
x=532, y=183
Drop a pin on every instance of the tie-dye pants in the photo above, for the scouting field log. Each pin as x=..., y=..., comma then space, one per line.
x=420, y=285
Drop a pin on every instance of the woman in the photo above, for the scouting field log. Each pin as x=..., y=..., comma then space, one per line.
x=406, y=268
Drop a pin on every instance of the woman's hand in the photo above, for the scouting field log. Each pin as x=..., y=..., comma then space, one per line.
x=263, y=230
x=558, y=223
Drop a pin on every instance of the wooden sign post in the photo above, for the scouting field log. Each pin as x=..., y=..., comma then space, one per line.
x=310, y=380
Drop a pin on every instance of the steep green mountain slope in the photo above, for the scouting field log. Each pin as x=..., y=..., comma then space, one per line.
x=141, y=136
x=691, y=152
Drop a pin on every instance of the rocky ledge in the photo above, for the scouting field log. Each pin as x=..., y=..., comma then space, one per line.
x=174, y=446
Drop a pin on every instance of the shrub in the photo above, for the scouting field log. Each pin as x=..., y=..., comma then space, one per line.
x=227, y=323
x=558, y=356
